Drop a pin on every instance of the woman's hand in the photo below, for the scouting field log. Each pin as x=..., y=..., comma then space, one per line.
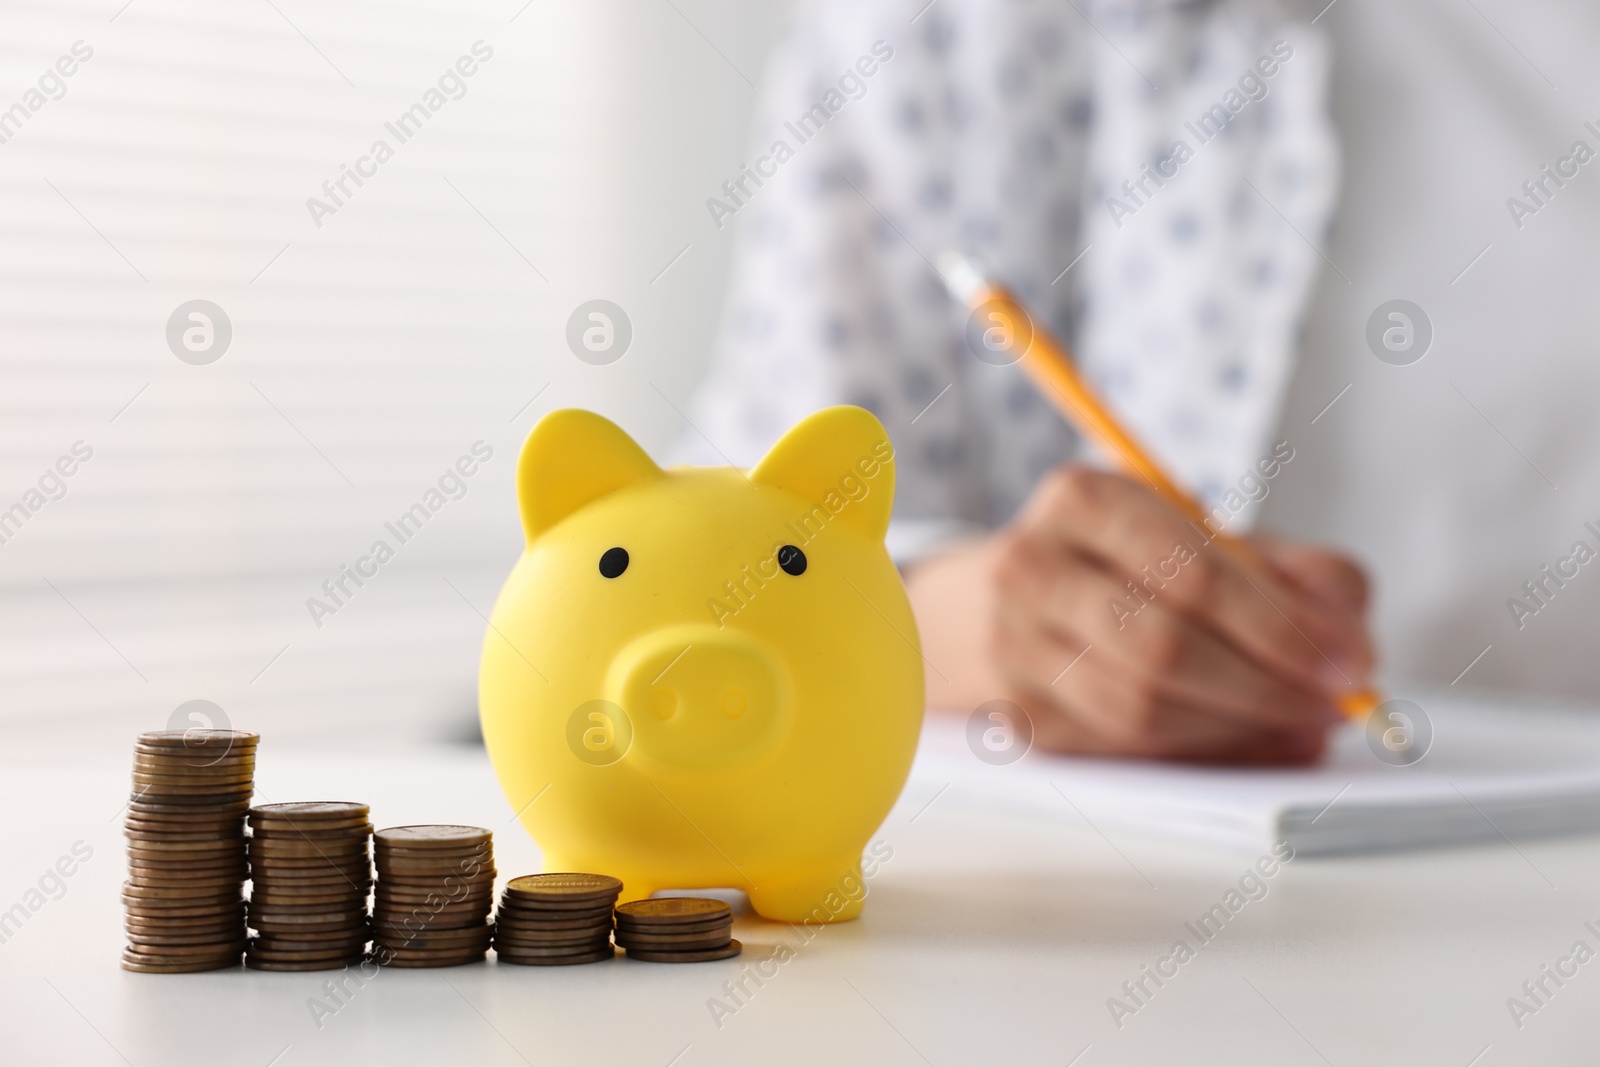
x=1122, y=630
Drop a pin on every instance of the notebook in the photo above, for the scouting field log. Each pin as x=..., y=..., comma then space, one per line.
x=1493, y=772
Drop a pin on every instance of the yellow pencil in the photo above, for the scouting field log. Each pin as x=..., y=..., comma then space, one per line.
x=1047, y=363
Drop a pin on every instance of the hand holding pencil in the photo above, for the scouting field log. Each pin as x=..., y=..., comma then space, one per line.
x=1122, y=621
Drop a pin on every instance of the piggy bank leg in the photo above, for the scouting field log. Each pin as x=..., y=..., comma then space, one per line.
x=830, y=893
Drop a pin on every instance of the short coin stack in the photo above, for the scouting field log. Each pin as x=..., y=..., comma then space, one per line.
x=677, y=930
x=311, y=870
x=186, y=849
x=434, y=892
x=552, y=919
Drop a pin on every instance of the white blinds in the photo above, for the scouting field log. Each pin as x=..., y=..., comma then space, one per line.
x=368, y=354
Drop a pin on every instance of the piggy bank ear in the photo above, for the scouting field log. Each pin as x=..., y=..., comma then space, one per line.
x=838, y=456
x=573, y=457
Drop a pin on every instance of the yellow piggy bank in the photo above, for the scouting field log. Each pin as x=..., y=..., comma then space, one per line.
x=701, y=677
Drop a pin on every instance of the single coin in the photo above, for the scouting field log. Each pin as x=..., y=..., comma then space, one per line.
x=203, y=842
x=514, y=922
x=673, y=944
x=327, y=874
x=345, y=901
x=676, y=929
x=208, y=893
x=195, y=886
x=181, y=908
x=404, y=909
x=261, y=948
x=433, y=943
x=205, y=822
x=311, y=927
x=332, y=837
x=400, y=926
x=304, y=965
x=215, y=936
x=135, y=911
x=673, y=909
x=214, y=947
x=212, y=783
x=290, y=859
x=442, y=886
x=192, y=738
x=137, y=964
x=178, y=953
x=189, y=831
x=350, y=903
x=272, y=831
x=219, y=857
x=475, y=956
x=442, y=918
x=451, y=866
x=731, y=949
x=178, y=804
x=414, y=896
x=214, y=931
x=312, y=810
x=191, y=776
x=153, y=872
x=443, y=835
x=524, y=960
x=557, y=908
x=268, y=955
x=517, y=939
x=297, y=845
x=299, y=919
x=177, y=757
x=563, y=886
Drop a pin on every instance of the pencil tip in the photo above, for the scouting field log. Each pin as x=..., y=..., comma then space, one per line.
x=961, y=275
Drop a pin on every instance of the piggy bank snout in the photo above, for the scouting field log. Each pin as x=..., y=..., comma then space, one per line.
x=700, y=697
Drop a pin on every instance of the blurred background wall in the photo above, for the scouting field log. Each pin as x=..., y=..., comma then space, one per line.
x=368, y=354
x=427, y=316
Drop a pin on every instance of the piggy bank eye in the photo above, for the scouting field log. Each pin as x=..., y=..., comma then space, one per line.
x=615, y=561
x=792, y=560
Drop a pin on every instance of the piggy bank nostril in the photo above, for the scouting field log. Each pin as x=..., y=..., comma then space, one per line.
x=665, y=703
x=735, y=703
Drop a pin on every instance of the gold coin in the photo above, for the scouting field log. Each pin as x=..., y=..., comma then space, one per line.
x=522, y=959
x=177, y=953
x=189, y=739
x=439, y=836
x=327, y=953
x=553, y=909
x=720, y=922
x=672, y=910
x=476, y=937
x=272, y=948
x=136, y=963
x=502, y=939
x=303, y=965
x=475, y=956
x=541, y=929
x=312, y=810
x=562, y=886
x=673, y=944
x=728, y=951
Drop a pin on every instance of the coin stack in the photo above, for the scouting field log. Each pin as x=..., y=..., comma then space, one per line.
x=311, y=871
x=552, y=919
x=677, y=930
x=434, y=892
x=186, y=850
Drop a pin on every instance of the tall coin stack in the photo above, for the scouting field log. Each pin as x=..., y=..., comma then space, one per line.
x=311, y=871
x=433, y=896
x=547, y=920
x=186, y=849
x=677, y=930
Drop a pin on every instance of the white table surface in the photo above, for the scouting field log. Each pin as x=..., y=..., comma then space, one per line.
x=987, y=939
